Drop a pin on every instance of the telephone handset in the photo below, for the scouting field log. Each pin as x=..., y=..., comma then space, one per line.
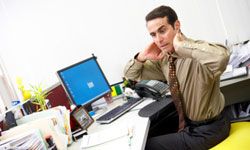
x=151, y=88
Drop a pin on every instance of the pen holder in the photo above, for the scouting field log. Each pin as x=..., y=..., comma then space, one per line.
x=108, y=98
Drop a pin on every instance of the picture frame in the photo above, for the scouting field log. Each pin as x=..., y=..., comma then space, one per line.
x=82, y=117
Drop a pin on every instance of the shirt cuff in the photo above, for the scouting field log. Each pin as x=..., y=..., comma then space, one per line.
x=135, y=58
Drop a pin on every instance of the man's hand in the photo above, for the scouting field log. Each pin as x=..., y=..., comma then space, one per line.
x=178, y=39
x=152, y=52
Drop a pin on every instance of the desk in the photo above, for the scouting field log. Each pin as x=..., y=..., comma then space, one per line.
x=236, y=90
x=141, y=127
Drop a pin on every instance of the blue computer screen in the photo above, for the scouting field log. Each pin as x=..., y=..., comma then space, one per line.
x=84, y=81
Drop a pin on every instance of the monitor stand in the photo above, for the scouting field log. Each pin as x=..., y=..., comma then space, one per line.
x=156, y=107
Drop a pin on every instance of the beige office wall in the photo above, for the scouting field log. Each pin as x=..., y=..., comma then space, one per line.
x=39, y=37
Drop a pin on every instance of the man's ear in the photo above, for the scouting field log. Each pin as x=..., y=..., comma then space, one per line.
x=177, y=25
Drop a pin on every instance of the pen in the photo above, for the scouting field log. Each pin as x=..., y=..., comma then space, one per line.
x=130, y=136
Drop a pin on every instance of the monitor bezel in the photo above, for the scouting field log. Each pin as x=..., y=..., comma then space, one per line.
x=86, y=105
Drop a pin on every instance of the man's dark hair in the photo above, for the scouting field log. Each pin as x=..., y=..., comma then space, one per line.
x=163, y=11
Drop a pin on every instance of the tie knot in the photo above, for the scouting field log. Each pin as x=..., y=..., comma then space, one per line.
x=172, y=59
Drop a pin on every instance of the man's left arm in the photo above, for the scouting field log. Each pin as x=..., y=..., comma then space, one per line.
x=214, y=56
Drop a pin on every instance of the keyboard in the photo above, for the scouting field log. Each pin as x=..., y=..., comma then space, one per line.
x=119, y=110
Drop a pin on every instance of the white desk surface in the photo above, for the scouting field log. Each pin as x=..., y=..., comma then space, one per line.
x=235, y=80
x=131, y=118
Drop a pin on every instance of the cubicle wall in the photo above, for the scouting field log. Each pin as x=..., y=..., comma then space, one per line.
x=57, y=96
x=236, y=90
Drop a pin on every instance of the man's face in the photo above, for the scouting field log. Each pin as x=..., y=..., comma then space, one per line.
x=163, y=33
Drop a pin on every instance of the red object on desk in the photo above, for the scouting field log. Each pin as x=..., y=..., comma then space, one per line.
x=58, y=97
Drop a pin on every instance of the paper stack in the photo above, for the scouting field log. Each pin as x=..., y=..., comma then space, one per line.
x=53, y=122
x=28, y=140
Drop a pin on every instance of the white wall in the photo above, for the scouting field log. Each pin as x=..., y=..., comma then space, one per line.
x=236, y=17
x=5, y=96
x=39, y=37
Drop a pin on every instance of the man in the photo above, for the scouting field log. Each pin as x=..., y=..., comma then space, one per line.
x=198, y=66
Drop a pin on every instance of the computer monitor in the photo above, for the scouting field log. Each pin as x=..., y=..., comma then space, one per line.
x=84, y=82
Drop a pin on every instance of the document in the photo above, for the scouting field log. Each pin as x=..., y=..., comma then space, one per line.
x=28, y=140
x=240, y=54
x=105, y=136
x=234, y=73
x=47, y=126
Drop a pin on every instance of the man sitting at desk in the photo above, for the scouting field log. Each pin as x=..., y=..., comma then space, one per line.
x=192, y=69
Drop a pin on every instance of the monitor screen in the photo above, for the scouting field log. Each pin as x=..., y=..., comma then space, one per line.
x=84, y=81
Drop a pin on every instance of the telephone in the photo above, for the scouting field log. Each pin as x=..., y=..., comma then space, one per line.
x=151, y=88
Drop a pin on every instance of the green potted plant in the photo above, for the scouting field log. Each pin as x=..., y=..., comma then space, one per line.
x=39, y=96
